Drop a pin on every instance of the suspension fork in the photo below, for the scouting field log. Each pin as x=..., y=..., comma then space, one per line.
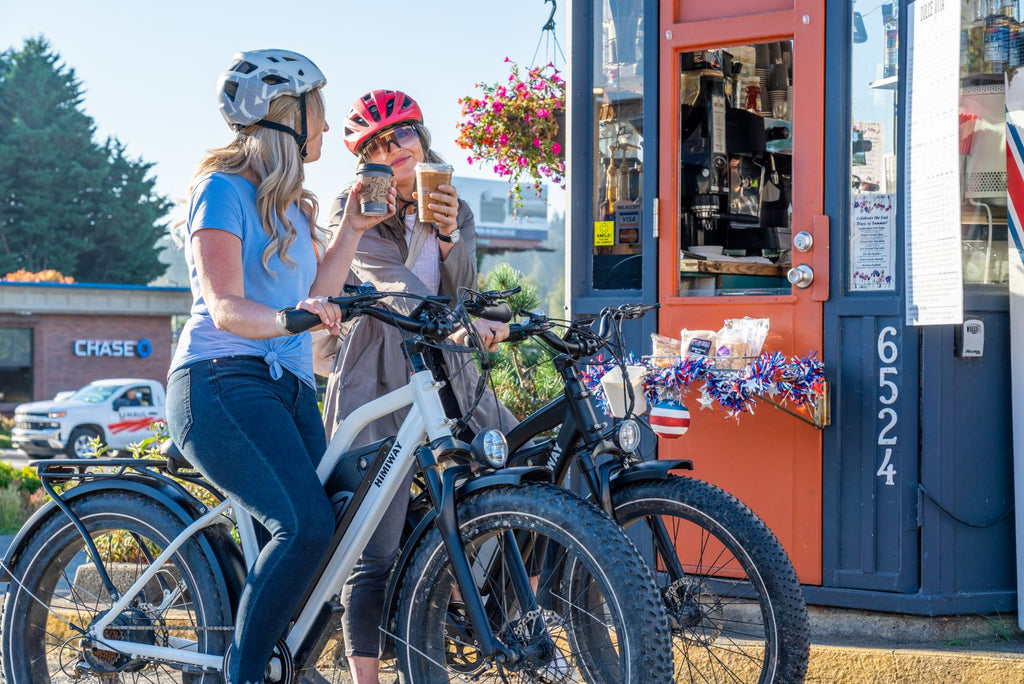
x=441, y=489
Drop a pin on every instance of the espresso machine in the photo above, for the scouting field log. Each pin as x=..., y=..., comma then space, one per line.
x=728, y=178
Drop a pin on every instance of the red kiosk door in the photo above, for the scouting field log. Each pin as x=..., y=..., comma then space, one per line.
x=741, y=130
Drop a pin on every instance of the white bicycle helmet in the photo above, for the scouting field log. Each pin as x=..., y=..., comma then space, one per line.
x=257, y=77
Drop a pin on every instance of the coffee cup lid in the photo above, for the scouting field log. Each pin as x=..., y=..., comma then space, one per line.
x=435, y=167
x=374, y=168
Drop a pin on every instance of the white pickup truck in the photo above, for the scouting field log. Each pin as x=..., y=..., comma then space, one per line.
x=119, y=411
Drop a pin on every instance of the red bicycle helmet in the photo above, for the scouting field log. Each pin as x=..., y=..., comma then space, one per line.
x=375, y=111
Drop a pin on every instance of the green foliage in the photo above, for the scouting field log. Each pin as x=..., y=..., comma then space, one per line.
x=524, y=379
x=21, y=494
x=25, y=479
x=6, y=425
x=67, y=202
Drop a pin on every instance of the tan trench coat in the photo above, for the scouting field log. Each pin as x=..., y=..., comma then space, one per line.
x=366, y=361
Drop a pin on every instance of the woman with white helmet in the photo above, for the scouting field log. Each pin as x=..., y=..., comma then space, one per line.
x=241, y=400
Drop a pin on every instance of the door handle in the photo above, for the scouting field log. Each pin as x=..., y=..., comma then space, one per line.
x=801, y=276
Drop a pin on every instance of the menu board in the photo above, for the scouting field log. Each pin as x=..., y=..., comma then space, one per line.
x=872, y=243
x=934, y=270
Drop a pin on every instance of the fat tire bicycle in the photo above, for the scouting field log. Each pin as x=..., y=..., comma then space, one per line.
x=164, y=611
x=734, y=601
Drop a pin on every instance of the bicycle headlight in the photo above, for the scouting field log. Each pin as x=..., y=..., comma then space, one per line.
x=490, y=448
x=627, y=435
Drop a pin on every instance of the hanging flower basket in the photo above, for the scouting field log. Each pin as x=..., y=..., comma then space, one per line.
x=518, y=127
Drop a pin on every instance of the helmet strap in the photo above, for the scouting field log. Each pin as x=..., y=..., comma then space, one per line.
x=300, y=138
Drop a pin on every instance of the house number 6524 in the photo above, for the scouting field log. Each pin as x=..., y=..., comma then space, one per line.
x=888, y=391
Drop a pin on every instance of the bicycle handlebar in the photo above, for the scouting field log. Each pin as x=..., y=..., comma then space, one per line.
x=484, y=305
x=574, y=344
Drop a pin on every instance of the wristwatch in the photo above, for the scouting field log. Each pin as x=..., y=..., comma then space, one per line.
x=451, y=238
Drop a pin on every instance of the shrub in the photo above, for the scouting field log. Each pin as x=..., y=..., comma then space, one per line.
x=524, y=379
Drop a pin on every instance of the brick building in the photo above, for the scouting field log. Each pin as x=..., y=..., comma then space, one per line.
x=56, y=337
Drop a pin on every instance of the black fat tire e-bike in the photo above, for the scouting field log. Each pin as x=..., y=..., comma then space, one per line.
x=734, y=602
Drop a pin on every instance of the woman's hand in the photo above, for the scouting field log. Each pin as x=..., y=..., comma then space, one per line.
x=330, y=314
x=445, y=205
x=353, y=218
x=490, y=332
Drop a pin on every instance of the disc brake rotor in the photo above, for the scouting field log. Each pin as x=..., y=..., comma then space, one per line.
x=695, y=612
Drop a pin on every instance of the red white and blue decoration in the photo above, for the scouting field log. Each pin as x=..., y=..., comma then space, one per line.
x=669, y=418
x=800, y=380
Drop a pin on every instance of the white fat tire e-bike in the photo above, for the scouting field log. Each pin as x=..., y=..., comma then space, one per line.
x=165, y=611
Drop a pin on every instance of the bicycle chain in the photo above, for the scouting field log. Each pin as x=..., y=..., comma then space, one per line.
x=138, y=628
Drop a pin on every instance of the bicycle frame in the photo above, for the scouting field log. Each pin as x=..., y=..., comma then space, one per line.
x=426, y=421
x=580, y=422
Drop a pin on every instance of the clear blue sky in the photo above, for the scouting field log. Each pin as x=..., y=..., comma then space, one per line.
x=149, y=69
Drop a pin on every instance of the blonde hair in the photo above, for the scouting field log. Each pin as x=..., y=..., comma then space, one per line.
x=274, y=158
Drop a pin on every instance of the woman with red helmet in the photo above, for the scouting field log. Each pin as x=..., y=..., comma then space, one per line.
x=398, y=254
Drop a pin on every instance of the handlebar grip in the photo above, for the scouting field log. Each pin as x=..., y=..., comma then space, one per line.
x=299, y=320
x=500, y=312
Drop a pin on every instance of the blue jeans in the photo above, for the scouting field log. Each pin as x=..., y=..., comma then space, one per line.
x=259, y=440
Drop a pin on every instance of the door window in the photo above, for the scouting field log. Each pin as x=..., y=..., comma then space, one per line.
x=735, y=169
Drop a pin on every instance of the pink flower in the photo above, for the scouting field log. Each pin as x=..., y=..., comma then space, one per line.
x=497, y=107
x=522, y=161
x=556, y=148
x=503, y=139
x=469, y=160
x=536, y=142
x=542, y=112
x=527, y=118
x=500, y=92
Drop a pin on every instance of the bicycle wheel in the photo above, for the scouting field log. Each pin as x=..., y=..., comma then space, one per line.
x=610, y=593
x=736, y=608
x=57, y=594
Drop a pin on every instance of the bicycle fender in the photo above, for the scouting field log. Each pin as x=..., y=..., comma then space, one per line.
x=504, y=476
x=215, y=541
x=649, y=470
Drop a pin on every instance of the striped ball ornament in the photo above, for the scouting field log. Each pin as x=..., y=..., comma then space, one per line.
x=669, y=419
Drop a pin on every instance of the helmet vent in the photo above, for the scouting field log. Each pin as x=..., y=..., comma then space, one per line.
x=271, y=58
x=230, y=89
x=288, y=59
x=244, y=67
x=407, y=102
x=273, y=79
x=390, y=107
x=374, y=112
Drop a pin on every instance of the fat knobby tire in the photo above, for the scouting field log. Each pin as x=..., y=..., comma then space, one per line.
x=583, y=530
x=50, y=549
x=727, y=518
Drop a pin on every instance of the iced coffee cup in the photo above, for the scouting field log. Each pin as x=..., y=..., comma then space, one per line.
x=373, y=197
x=428, y=177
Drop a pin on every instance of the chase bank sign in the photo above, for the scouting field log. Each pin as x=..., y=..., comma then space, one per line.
x=138, y=348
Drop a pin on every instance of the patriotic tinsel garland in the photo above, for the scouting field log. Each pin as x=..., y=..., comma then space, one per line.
x=798, y=380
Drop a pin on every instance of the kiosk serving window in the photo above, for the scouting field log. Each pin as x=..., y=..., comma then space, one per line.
x=874, y=171
x=991, y=44
x=618, y=145
x=735, y=188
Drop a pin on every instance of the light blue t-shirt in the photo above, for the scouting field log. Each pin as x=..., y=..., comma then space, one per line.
x=228, y=202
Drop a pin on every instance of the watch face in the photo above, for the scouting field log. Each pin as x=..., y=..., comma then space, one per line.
x=456, y=235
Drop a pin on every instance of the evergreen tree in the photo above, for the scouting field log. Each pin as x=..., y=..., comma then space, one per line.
x=66, y=202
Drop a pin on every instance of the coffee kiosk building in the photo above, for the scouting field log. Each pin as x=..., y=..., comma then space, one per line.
x=741, y=158
x=56, y=337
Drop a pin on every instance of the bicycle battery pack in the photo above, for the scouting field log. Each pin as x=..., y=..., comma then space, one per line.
x=350, y=471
